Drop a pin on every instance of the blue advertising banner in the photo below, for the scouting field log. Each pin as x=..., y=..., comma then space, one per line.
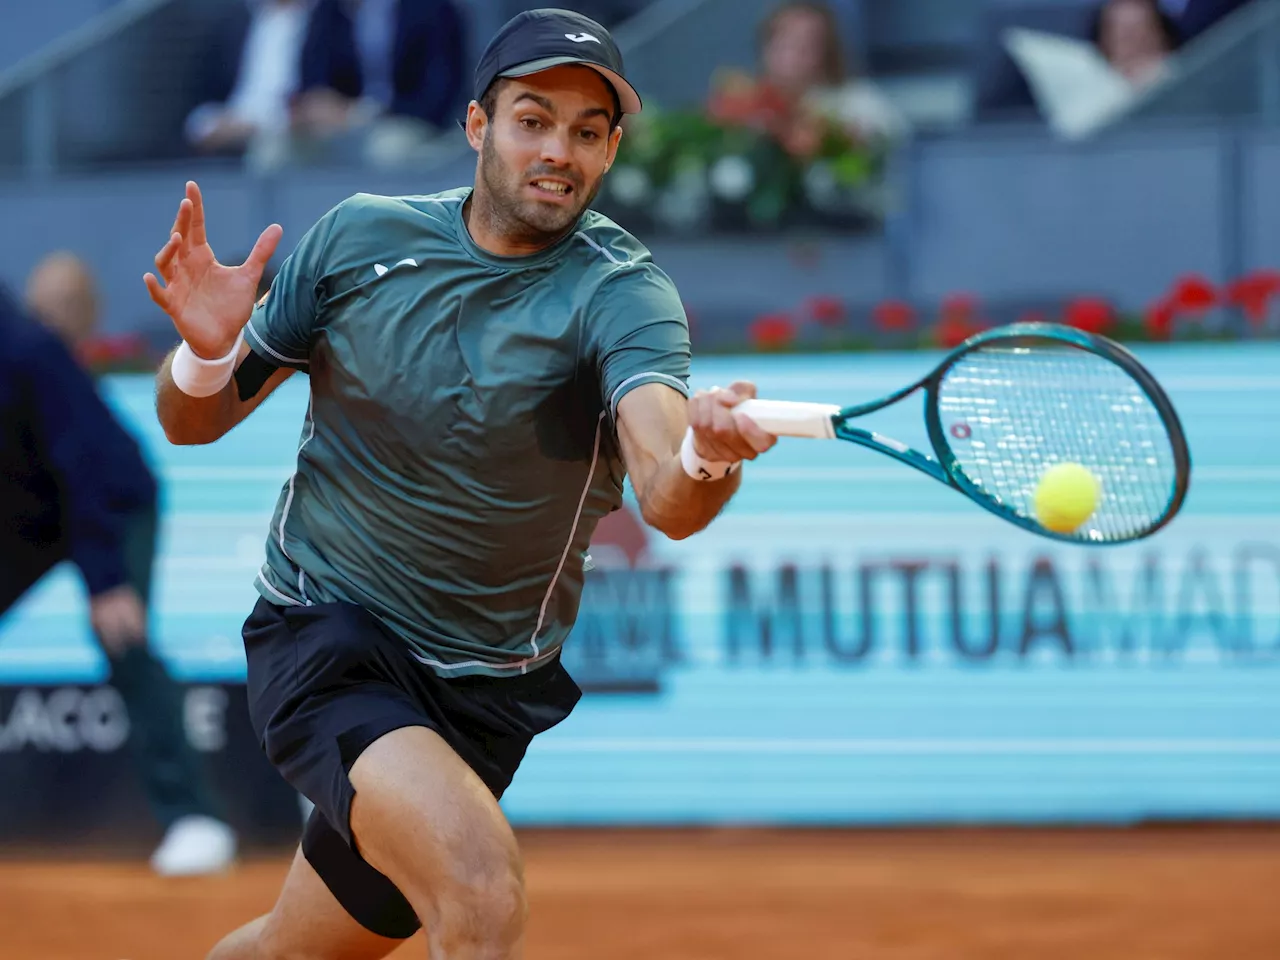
x=849, y=643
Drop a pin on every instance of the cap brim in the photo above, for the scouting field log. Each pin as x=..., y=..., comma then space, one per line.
x=628, y=99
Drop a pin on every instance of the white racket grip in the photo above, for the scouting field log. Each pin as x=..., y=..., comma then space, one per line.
x=788, y=418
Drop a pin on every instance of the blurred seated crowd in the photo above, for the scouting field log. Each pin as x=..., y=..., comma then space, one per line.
x=284, y=73
x=288, y=78
x=385, y=82
x=375, y=81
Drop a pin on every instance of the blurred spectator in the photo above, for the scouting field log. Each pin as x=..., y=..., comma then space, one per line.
x=62, y=294
x=803, y=82
x=369, y=59
x=253, y=68
x=1082, y=84
x=77, y=488
x=1136, y=37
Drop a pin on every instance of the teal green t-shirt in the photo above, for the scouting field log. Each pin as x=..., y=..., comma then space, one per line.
x=459, y=447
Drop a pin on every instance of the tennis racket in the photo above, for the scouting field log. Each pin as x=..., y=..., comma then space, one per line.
x=1009, y=404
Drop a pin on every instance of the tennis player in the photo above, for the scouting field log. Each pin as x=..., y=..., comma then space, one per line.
x=486, y=364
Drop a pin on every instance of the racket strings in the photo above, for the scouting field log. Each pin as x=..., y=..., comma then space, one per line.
x=1010, y=413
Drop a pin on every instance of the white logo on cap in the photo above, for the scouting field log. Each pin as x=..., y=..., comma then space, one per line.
x=581, y=37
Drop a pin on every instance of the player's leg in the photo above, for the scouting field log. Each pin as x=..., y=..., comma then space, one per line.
x=423, y=818
x=306, y=923
x=404, y=768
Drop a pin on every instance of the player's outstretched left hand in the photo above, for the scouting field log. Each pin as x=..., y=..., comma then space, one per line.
x=209, y=302
x=718, y=432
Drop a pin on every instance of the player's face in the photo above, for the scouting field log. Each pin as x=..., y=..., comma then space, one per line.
x=545, y=151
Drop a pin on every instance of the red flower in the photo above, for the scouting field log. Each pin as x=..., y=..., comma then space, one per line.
x=828, y=311
x=1193, y=294
x=1091, y=314
x=99, y=351
x=960, y=306
x=740, y=101
x=1159, y=319
x=1253, y=293
x=953, y=331
x=772, y=330
x=894, y=315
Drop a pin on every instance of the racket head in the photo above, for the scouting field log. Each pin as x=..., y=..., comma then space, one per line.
x=1011, y=402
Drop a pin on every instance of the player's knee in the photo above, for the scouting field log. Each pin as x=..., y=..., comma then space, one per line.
x=482, y=908
x=490, y=915
x=243, y=944
x=271, y=947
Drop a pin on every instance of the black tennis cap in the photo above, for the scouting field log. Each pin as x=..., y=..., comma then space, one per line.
x=537, y=40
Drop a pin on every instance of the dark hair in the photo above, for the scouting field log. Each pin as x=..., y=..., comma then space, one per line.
x=1168, y=26
x=834, y=67
x=489, y=100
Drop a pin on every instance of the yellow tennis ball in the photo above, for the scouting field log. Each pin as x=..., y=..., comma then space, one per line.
x=1066, y=497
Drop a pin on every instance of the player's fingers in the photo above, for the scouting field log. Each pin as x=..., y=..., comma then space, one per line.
x=721, y=439
x=743, y=390
x=700, y=405
x=165, y=257
x=182, y=220
x=197, y=232
x=760, y=439
x=159, y=295
x=725, y=397
x=264, y=249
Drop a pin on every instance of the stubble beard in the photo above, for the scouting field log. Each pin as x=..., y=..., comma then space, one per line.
x=523, y=220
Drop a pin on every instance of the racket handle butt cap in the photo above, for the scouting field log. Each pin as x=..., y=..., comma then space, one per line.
x=788, y=418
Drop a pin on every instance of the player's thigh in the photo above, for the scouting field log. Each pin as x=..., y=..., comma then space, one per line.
x=423, y=818
x=307, y=923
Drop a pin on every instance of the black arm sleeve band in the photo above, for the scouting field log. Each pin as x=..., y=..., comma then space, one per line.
x=252, y=373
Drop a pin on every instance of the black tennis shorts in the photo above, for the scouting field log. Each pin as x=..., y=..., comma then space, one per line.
x=326, y=681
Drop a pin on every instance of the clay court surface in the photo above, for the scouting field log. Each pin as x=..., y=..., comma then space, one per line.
x=1148, y=894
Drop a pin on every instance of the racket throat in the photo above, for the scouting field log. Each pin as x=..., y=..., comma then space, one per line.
x=896, y=449
x=897, y=446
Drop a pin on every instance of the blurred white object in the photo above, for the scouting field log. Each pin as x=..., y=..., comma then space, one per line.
x=1077, y=90
x=193, y=846
x=732, y=178
x=630, y=185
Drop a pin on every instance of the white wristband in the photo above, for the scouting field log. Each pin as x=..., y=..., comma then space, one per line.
x=198, y=377
x=700, y=469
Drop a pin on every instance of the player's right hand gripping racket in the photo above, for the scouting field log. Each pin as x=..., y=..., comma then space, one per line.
x=1010, y=403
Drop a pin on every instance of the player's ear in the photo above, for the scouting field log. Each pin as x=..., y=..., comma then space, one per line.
x=477, y=124
x=614, y=139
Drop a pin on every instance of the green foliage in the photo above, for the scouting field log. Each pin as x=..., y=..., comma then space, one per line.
x=726, y=175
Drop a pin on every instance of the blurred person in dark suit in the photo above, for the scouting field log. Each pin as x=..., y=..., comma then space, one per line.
x=253, y=70
x=370, y=60
x=76, y=487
